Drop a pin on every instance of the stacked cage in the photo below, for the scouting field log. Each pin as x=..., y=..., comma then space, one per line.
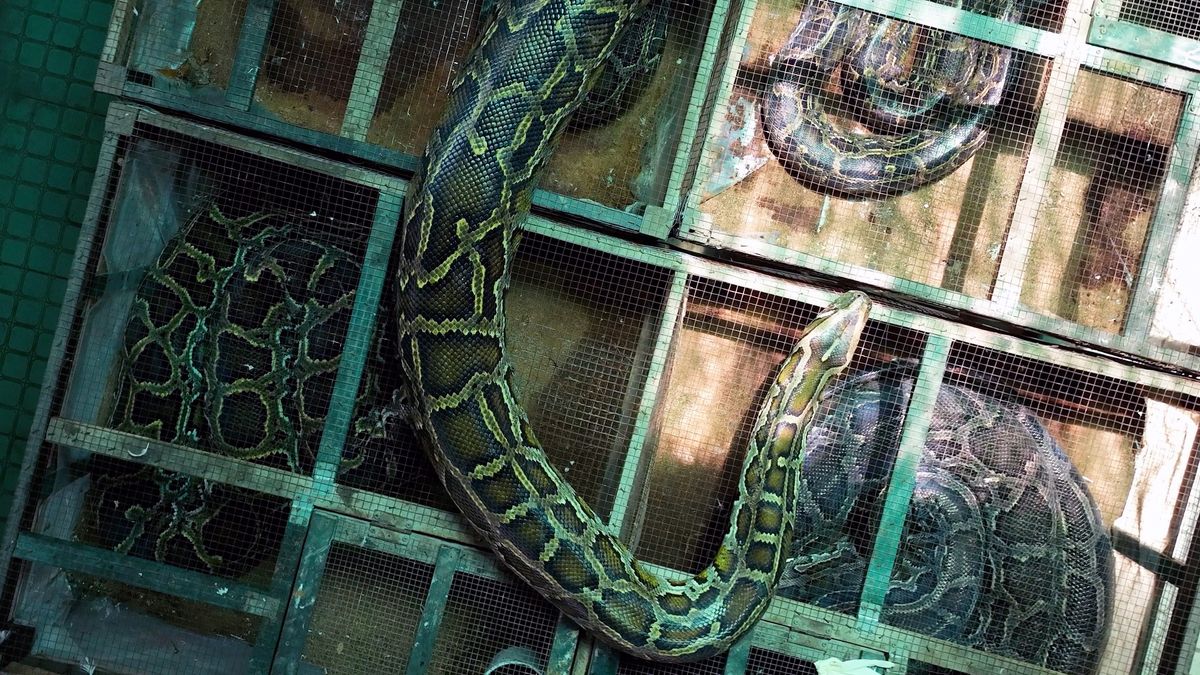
x=223, y=476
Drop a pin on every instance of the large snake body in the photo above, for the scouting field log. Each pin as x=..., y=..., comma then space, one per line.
x=930, y=93
x=506, y=111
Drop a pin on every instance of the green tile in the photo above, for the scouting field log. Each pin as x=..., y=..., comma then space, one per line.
x=66, y=34
x=38, y=28
x=59, y=61
x=33, y=170
x=31, y=55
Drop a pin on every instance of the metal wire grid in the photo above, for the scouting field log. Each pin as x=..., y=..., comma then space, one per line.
x=1095, y=211
x=1173, y=16
x=379, y=74
x=737, y=316
x=323, y=221
x=367, y=611
x=1010, y=227
x=763, y=662
x=948, y=234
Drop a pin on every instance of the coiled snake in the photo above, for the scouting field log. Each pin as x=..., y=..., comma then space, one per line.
x=926, y=94
x=1003, y=547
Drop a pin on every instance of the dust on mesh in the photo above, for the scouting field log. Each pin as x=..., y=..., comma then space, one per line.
x=367, y=612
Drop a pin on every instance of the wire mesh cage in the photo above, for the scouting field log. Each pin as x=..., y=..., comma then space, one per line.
x=373, y=78
x=969, y=501
x=961, y=156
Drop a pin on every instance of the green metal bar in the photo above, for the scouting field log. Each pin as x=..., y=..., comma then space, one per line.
x=395, y=514
x=190, y=461
x=1157, y=44
x=963, y=22
x=1052, y=120
x=562, y=650
x=1143, y=302
x=303, y=598
x=633, y=468
x=900, y=489
x=738, y=655
x=251, y=43
x=372, y=62
x=1142, y=69
x=150, y=575
x=358, y=339
x=283, y=581
x=691, y=223
x=604, y=661
x=812, y=621
x=660, y=224
x=434, y=610
x=897, y=316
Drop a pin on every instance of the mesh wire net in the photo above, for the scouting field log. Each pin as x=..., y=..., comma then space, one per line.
x=1172, y=16
x=765, y=662
x=207, y=331
x=771, y=179
x=1095, y=211
x=367, y=611
x=380, y=74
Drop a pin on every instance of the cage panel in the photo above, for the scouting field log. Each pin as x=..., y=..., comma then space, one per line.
x=582, y=326
x=367, y=612
x=736, y=336
x=1095, y=211
x=373, y=78
x=771, y=181
x=97, y=624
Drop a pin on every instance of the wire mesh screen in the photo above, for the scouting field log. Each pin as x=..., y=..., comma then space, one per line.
x=581, y=325
x=210, y=313
x=911, y=166
x=1172, y=16
x=379, y=74
x=220, y=301
x=735, y=335
x=367, y=612
x=764, y=662
x=1096, y=207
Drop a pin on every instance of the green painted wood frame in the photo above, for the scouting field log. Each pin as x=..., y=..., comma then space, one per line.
x=1069, y=50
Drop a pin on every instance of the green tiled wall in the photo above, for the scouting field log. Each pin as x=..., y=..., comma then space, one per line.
x=49, y=136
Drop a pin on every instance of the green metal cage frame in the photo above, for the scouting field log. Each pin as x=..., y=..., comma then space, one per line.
x=114, y=77
x=1101, y=44
x=323, y=512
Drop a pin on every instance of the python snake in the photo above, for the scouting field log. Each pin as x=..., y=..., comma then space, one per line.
x=926, y=95
x=232, y=345
x=1003, y=548
x=506, y=111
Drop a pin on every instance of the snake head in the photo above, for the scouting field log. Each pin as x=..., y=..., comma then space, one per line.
x=833, y=335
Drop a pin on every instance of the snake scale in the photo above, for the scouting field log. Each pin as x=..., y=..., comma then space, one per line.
x=1003, y=548
x=506, y=110
x=925, y=95
x=232, y=345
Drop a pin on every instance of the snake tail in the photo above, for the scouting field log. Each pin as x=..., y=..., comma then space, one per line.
x=459, y=236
